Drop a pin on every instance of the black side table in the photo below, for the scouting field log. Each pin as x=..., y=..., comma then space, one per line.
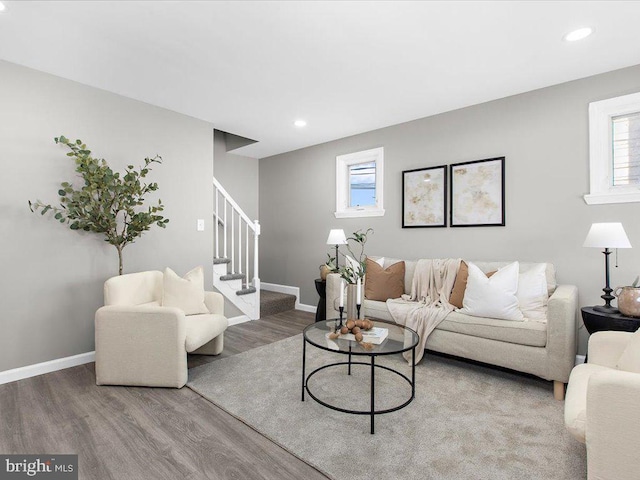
x=321, y=311
x=595, y=321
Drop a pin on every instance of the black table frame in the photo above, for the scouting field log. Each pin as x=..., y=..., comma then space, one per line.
x=372, y=412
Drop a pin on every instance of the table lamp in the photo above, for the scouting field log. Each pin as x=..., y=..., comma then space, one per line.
x=607, y=236
x=337, y=237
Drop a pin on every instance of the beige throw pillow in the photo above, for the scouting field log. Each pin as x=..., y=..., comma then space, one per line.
x=629, y=361
x=382, y=284
x=186, y=293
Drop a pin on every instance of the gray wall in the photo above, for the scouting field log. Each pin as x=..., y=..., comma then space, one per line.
x=52, y=277
x=239, y=177
x=544, y=136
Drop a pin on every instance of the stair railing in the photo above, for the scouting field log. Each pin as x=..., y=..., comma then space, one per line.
x=232, y=235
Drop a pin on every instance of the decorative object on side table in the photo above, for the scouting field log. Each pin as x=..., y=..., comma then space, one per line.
x=629, y=299
x=607, y=235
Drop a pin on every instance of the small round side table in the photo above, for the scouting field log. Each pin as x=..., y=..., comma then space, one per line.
x=595, y=321
x=321, y=288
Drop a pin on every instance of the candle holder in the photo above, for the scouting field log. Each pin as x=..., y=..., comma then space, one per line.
x=358, y=310
x=339, y=322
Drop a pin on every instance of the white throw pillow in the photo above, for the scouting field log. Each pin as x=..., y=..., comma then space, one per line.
x=532, y=293
x=629, y=361
x=186, y=293
x=493, y=297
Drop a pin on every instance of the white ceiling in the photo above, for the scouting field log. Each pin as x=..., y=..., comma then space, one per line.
x=252, y=68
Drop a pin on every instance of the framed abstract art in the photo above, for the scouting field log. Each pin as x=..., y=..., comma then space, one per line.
x=424, y=201
x=477, y=193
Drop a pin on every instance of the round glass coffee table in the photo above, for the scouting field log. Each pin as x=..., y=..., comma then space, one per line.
x=399, y=339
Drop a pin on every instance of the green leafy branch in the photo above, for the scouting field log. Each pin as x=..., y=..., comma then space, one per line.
x=348, y=272
x=108, y=203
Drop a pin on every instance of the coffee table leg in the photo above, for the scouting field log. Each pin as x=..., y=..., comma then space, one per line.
x=349, y=367
x=413, y=373
x=304, y=358
x=373, y=390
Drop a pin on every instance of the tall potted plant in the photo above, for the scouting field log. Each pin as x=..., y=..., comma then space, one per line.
x=107, y=203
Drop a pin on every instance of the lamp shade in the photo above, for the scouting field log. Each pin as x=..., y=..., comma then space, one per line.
x=607, y=235
x=336, y=237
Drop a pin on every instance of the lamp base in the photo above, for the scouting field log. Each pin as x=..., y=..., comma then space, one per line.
x=606, y=309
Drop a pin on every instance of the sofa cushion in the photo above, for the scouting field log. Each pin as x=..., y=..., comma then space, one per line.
x=493, y=297
x=575, y=403
x=409, y=269
x=532, y=294
x=460, y=285
x=202, y=329
x=550, y=271
x=383, y=283
x=533, y=334
x=186, y=293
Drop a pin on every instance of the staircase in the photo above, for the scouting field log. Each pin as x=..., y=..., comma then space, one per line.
x=235, y=263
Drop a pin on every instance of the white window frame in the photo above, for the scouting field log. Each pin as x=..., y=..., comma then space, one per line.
x=343, y=162
x=601, y=113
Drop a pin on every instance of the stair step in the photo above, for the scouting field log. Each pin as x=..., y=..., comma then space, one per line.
x=246, y=291
x=218, y=261
x=274, y=302
x=233, y=276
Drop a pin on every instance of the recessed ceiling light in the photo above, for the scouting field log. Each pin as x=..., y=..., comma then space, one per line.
x=578, y=34
x=2, y=7
x=300, y=123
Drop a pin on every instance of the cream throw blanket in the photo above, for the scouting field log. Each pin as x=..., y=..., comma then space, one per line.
x=428, y=303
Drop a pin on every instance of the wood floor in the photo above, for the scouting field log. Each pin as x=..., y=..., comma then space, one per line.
x=148, y=433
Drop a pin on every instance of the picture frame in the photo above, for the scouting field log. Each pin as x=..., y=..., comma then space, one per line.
x=477, y=193
x=424, y=197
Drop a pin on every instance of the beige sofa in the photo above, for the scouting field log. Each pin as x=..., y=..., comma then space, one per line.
x=601, y=408
x=546, y=350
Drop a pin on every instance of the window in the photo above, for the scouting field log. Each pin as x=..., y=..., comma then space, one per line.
x=614, y=150
x=359, y=179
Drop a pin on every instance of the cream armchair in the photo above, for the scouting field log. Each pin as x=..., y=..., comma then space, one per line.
x=601, y=407
x=139, y=342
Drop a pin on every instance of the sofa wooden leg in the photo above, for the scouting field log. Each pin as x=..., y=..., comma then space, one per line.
x=558, y=390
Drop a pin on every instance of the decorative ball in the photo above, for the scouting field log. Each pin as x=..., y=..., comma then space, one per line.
x=359, y=323
x=344, y=330
x=333, y=335
x=358, y=337
x=350, y=324
x=355, y=330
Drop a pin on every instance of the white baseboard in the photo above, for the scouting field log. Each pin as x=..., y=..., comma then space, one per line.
x=307, y=308
x=46, y=367
x=580, y=359
x=238, y=319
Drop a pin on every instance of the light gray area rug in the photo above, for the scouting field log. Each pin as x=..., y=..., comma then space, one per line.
x=466, y=422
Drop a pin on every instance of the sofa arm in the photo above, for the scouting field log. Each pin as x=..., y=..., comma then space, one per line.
x=561, y=332
x=140, y=346
x=214, y=302
x=605, y=348
x=613, y=423
x=332, y=295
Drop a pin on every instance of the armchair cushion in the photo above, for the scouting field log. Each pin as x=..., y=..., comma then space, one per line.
x=185, y=293
x=629, y=361
x=202, y=328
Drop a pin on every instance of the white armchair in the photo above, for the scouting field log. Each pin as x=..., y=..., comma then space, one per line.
x=139, y=342
x=601, y=408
